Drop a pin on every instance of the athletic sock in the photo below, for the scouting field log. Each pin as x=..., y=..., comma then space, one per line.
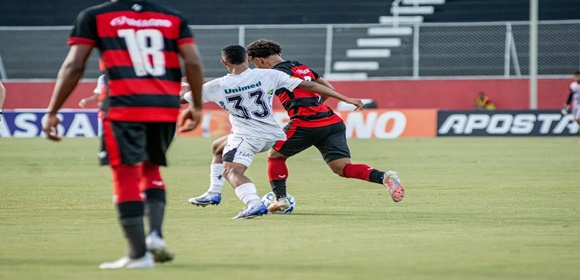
x=363, y=172
x=278, y=174
x=131, y=220
x=216, y=178
x=248, y=194
x=155, y=210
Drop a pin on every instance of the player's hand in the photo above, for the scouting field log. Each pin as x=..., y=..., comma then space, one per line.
x=82, y=103
x=356, y=102
x=189, y=119
x=50, y=127
x=564, y=110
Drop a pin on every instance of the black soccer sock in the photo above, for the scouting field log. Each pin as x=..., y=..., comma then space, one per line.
x=131, y=220
x=279, y=188
x=155, y=209
x=377, y=176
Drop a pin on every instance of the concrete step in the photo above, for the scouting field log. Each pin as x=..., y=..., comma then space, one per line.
x=401, y=19
x=346, y=76
x=413, y=10
x=378, y=42
x=392, y=31
x=423, y=2
x=368, y=53
x=356, y=65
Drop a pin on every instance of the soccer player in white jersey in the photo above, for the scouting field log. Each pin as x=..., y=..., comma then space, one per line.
x=246, y=94
x=101, y=84
x=574, y=96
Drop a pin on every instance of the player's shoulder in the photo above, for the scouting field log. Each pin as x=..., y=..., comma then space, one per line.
x=289, y=66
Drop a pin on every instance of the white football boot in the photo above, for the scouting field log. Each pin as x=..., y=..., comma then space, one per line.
x=126, y=262
x=156, y=245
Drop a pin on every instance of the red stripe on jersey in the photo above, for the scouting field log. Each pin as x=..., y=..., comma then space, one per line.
x=143, y=114
x=185, y=41
x=318, y=122
x=143, y=86
x=80, y=41
x=109, y=23
x=115, y=58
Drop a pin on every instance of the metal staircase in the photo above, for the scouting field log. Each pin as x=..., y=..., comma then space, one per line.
x=381, y=39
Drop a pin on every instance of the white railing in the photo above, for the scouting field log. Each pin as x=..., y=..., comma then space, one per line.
x=422, y=50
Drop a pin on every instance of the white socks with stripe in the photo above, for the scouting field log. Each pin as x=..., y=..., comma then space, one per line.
x=248, y=194
x=216, y=178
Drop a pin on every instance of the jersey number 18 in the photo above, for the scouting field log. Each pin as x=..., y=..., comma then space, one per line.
x=145, y=48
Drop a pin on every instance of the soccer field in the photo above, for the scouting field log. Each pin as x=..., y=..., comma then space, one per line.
x=475, y=208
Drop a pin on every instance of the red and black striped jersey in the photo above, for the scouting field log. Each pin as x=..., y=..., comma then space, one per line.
x=305, y=108
x=138, y=41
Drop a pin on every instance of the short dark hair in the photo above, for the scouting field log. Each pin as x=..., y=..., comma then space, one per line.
x=576, y=73
x=263, y=48
x=234, y=54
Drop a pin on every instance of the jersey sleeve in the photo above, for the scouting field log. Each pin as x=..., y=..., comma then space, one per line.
x=210, y=91
x=84, y=30
x=100, y=85
x=284, y=81
x=316, y=76
x=185, y=35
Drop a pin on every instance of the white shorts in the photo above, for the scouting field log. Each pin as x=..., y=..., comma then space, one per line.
x=576, y=112
x=241, y=149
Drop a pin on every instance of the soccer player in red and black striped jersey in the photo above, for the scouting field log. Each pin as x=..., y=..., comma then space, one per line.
x=312, y=123
x=140, y=43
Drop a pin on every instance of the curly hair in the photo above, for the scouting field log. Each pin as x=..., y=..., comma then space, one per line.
x=263, y=48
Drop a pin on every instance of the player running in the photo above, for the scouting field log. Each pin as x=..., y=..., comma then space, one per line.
x=246, y=94
x=140, y=43
x=574, y=96
x=312, y=123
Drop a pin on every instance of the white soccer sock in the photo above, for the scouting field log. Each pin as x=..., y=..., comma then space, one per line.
x=248, y=194
x=216, y=178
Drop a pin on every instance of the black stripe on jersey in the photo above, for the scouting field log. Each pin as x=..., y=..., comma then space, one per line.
x=116, y=43
x=301, y=102
x=127, y=72
x=319, y=115
x=144, y=100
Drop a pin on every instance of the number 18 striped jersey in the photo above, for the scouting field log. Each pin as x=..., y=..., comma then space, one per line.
x=138, y=41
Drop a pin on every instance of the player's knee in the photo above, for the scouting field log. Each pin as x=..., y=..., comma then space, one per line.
x=217, y=148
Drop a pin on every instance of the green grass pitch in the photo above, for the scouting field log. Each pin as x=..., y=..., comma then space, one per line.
x=475, y=208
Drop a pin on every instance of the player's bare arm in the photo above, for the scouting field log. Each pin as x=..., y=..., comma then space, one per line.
x=84, y=101
x=325, y=83
x=191, y=117
x=68, y=77
x=328, y=92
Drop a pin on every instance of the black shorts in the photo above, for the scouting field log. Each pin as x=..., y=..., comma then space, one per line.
x=330, y=140
x=129, y=143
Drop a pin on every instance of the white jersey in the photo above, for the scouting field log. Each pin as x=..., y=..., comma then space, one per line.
x=100, y=85
x=575, y=88
x=248, y=99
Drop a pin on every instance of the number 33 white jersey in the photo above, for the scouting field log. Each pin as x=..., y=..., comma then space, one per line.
x=248, y=99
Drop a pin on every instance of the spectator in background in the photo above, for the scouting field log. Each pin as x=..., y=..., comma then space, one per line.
x=483, y=102
x=2, y=98
x=574, y=95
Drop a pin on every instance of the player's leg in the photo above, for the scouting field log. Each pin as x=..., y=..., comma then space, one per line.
x=336, y=153
x=159, y=137
x=238, y=155
x=124, y=148
x=213, y=194
x=297, y=140
x=576, y=113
